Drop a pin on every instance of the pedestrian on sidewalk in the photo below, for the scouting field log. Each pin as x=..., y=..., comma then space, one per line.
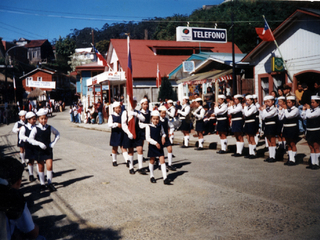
x=155, y=136
x=235, y=110
x=30, y=150
x=184, y=115
x=221, y=112
x=71, y=114
x=199, y=115
x=312, y=115
x=171, y=112
x=116, y=136
x=269, y=117
x=100, y=107
x=164, y=122
x=290, y=118
x=250, y=126
x=16, y=128
x=41, y=137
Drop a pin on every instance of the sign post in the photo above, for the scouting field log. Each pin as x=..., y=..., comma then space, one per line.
x=192, y=34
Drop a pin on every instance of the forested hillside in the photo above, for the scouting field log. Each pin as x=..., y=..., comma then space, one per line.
x=247, y=16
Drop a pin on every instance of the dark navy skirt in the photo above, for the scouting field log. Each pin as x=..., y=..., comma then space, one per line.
x=291, y=132
x=270, y=129
x=141, y=136
x=185, y=126
x=279, y=127
x=167, y=143
x=21, y=144
x=153, y=151
x=237, y=126
x=200, y=126
x=313, y=136
x=222, y=125
x=116, y=138
x=45, y=154
x=30, y=152
x=127, y=142
x=250, y=128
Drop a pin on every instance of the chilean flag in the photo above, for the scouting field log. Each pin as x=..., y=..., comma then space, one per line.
x=101, y=58
x=131, y=120
x=265, y=33
x=158, y=81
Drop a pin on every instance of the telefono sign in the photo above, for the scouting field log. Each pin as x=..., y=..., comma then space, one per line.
x=190, y=34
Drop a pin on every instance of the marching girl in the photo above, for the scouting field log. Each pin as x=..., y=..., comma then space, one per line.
x=269, y=117
x=128, y=141
x=185, y=120
x=114, y=122
x=41, y=136
x=250, y=126
x=221, y=112
x=312, y=115
x=30, y=151
x=209, y=119
x=235, y=110
x=256, y=137
x=155, y=136
x=171, y=113
x=199, y=115
x=290, y=132
x=140, y=131
x=16, y=128
x=281, y=140
x=164, y=122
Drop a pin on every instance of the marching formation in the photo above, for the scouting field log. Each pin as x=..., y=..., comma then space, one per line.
x=241, y=116
x=35, y=144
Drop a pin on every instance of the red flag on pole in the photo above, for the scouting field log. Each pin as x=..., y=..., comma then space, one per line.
x=265, y=33
x=101, y=58
x=158, y=81
x=131, y=120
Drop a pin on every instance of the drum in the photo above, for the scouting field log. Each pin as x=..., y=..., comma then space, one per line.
x=175, y=123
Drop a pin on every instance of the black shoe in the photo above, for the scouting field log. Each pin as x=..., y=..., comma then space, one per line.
x=271, y=160
x=167, y=181
x=31, y=178
x=221, y=152
x=152, y=180
x=115, y=164
x=290, y=163
x=315, y=167
x=286, y=163
x=144, y=159
x=252, y=156
x=131, y=171
x=267, y=160
x=128, y=164
x=248, y=156
x=142, y=171
x=199, y=148
x=172, y=168
x=309, y=167
x=173, y=156
x=43, y=188
x=183, y=146
x=51, y=188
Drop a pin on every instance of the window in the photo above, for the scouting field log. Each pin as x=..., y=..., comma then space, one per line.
x=39, y=79
x=27, y=80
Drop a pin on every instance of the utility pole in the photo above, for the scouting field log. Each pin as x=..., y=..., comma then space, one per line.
x=234, y=80
x=92, y=33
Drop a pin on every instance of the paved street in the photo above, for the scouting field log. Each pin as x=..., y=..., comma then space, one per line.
x=212, y=197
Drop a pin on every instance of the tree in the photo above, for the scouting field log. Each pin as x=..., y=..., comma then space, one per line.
x=102, y=46
x=64, y=48
x=166, y=91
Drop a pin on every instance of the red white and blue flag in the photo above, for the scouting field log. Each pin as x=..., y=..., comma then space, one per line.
x=158, y=81
x=265, y=33
x=131, y=120
x=101, y=58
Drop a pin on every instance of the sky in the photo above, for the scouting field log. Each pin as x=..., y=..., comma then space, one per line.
x=49, y=19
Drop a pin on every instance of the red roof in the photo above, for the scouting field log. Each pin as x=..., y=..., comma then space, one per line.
x=144, y=61
x=35, y=43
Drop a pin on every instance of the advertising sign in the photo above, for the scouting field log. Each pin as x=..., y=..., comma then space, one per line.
x=192, y=34
x=188, y=66
x=41, y=84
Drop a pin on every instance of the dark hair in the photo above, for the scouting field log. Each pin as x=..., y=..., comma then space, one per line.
x=200, y=102
x=275, y=93
x=11, y=170
x=206, y=106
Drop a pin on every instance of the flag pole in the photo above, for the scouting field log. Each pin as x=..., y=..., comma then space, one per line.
x=275, y=42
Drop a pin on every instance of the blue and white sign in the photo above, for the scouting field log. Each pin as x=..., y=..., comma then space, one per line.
x=212, y=35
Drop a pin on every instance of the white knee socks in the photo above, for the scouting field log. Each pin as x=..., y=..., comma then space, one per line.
x=125, y=156
x=114, y=157
x=30, y=168
x=224, y=143
x=140, y=160
x=201, y=143
x=169, y=159
x=171, y=138
x=22, y=156
x=151, y=170
x=186, y=141
x=266, y=141
x=130, y=158
x=256, y=139
x=41, y=177
x=164, y=171
x=49, y=177
x=272, y=152
x=240, y=147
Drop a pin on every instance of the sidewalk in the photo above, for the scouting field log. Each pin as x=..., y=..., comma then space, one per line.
x=212, y=141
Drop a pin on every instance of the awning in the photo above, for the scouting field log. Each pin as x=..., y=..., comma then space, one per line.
x=212, y=76
x=115, y=78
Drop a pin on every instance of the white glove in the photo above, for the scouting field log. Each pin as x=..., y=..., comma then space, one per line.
x=52, y=144
x=193, y=113
x=179, y=111
x=130, y=136
x=132, y=113
x=42, y=146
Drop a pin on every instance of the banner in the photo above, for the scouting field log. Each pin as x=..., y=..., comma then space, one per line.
x=41, y=84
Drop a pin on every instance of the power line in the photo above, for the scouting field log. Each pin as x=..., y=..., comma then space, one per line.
x=20, y=29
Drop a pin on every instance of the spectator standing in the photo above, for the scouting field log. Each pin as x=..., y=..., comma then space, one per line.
x=100, y=112
x=317, y=88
